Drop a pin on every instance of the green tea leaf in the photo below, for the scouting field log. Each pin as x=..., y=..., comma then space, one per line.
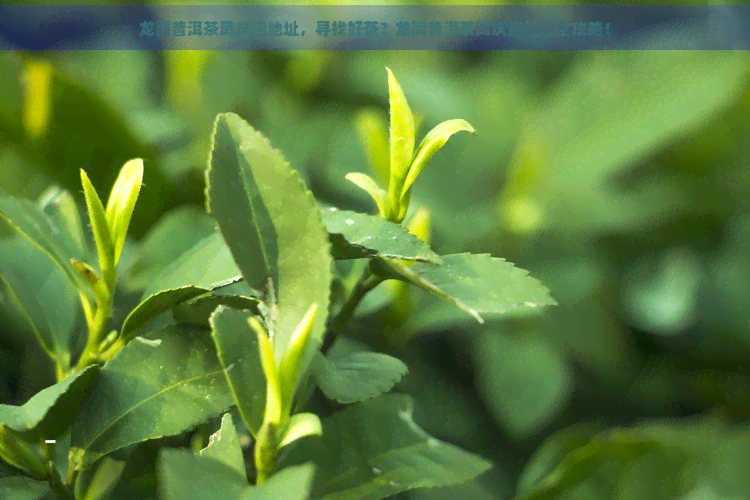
x=194, y=273
x=272, y=224
x=367, y=184
x=60, y=206
x=198, y=311
x=22, y=488
x=208, y=263
x=374, y=449
x=155, y=305
x=239, y=355
x=42, y=295
x=31, y=223
x=431, y=144
x=290, y=483
x=102, y=234
x=165, y=385
x=174, y=234
x=357, y=236
x=186, y=476
x=224, y=446
x=401, y=139
x=299, y=426
x=234, y=197
x=357, y=377
x=473, y=283
x=52, y=410
x=121, y=202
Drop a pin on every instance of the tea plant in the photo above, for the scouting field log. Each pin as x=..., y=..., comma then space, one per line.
x=237, y=330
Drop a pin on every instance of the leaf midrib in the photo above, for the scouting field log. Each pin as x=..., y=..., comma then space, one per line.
x=144, y=401
x=253, y=211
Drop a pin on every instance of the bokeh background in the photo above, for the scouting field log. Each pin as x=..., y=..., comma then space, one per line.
x=619, y=179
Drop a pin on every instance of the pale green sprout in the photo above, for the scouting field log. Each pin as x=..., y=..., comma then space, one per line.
x=279, y=427
x=121, y=202
x=367, y=183
x=404, y=165
x=110, y=227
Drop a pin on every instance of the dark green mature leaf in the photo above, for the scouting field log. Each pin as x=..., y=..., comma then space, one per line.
x=30, y=222
x=239, y=355
x=60, y=206
x=162, y=386
x=473, y=283
x=357, y=236
x=290, y=483
x=186, y=476
x=374, y=449
x=22, y=488
x=41, y=293
x=207, y=263
x=174, y=234
x=272, y=224
x=234, y=197
x=51, y=411
x=199, y=310
x=224, y=446
x=357, y=377
x=196, y=272
x=156, y=304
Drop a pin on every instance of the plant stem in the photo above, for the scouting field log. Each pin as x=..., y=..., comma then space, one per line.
x=97, y=330
x=367, y=281
x=57, y=485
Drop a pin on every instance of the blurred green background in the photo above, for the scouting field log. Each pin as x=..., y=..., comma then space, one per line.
x=619, y=179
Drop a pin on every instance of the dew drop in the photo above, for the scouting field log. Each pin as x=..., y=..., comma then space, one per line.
x=349, y=222
x=375, y=470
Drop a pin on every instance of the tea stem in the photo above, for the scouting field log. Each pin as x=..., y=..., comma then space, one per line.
x=97, y=331
x=367, y=281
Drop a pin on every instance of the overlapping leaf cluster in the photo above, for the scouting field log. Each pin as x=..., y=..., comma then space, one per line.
x=237, y=323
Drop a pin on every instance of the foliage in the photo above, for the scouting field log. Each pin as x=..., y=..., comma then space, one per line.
x=231, y=322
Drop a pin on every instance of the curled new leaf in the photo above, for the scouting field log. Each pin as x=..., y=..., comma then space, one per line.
x=367, y=183
x=431, y=144
x=290, y=366
x=121, y=202
x=401, y=140
x=59, y=205
x=100, y=228
x=273, y=411
x=301, y=425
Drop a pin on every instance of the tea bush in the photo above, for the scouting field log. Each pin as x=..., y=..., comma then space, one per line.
x=279, y=340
